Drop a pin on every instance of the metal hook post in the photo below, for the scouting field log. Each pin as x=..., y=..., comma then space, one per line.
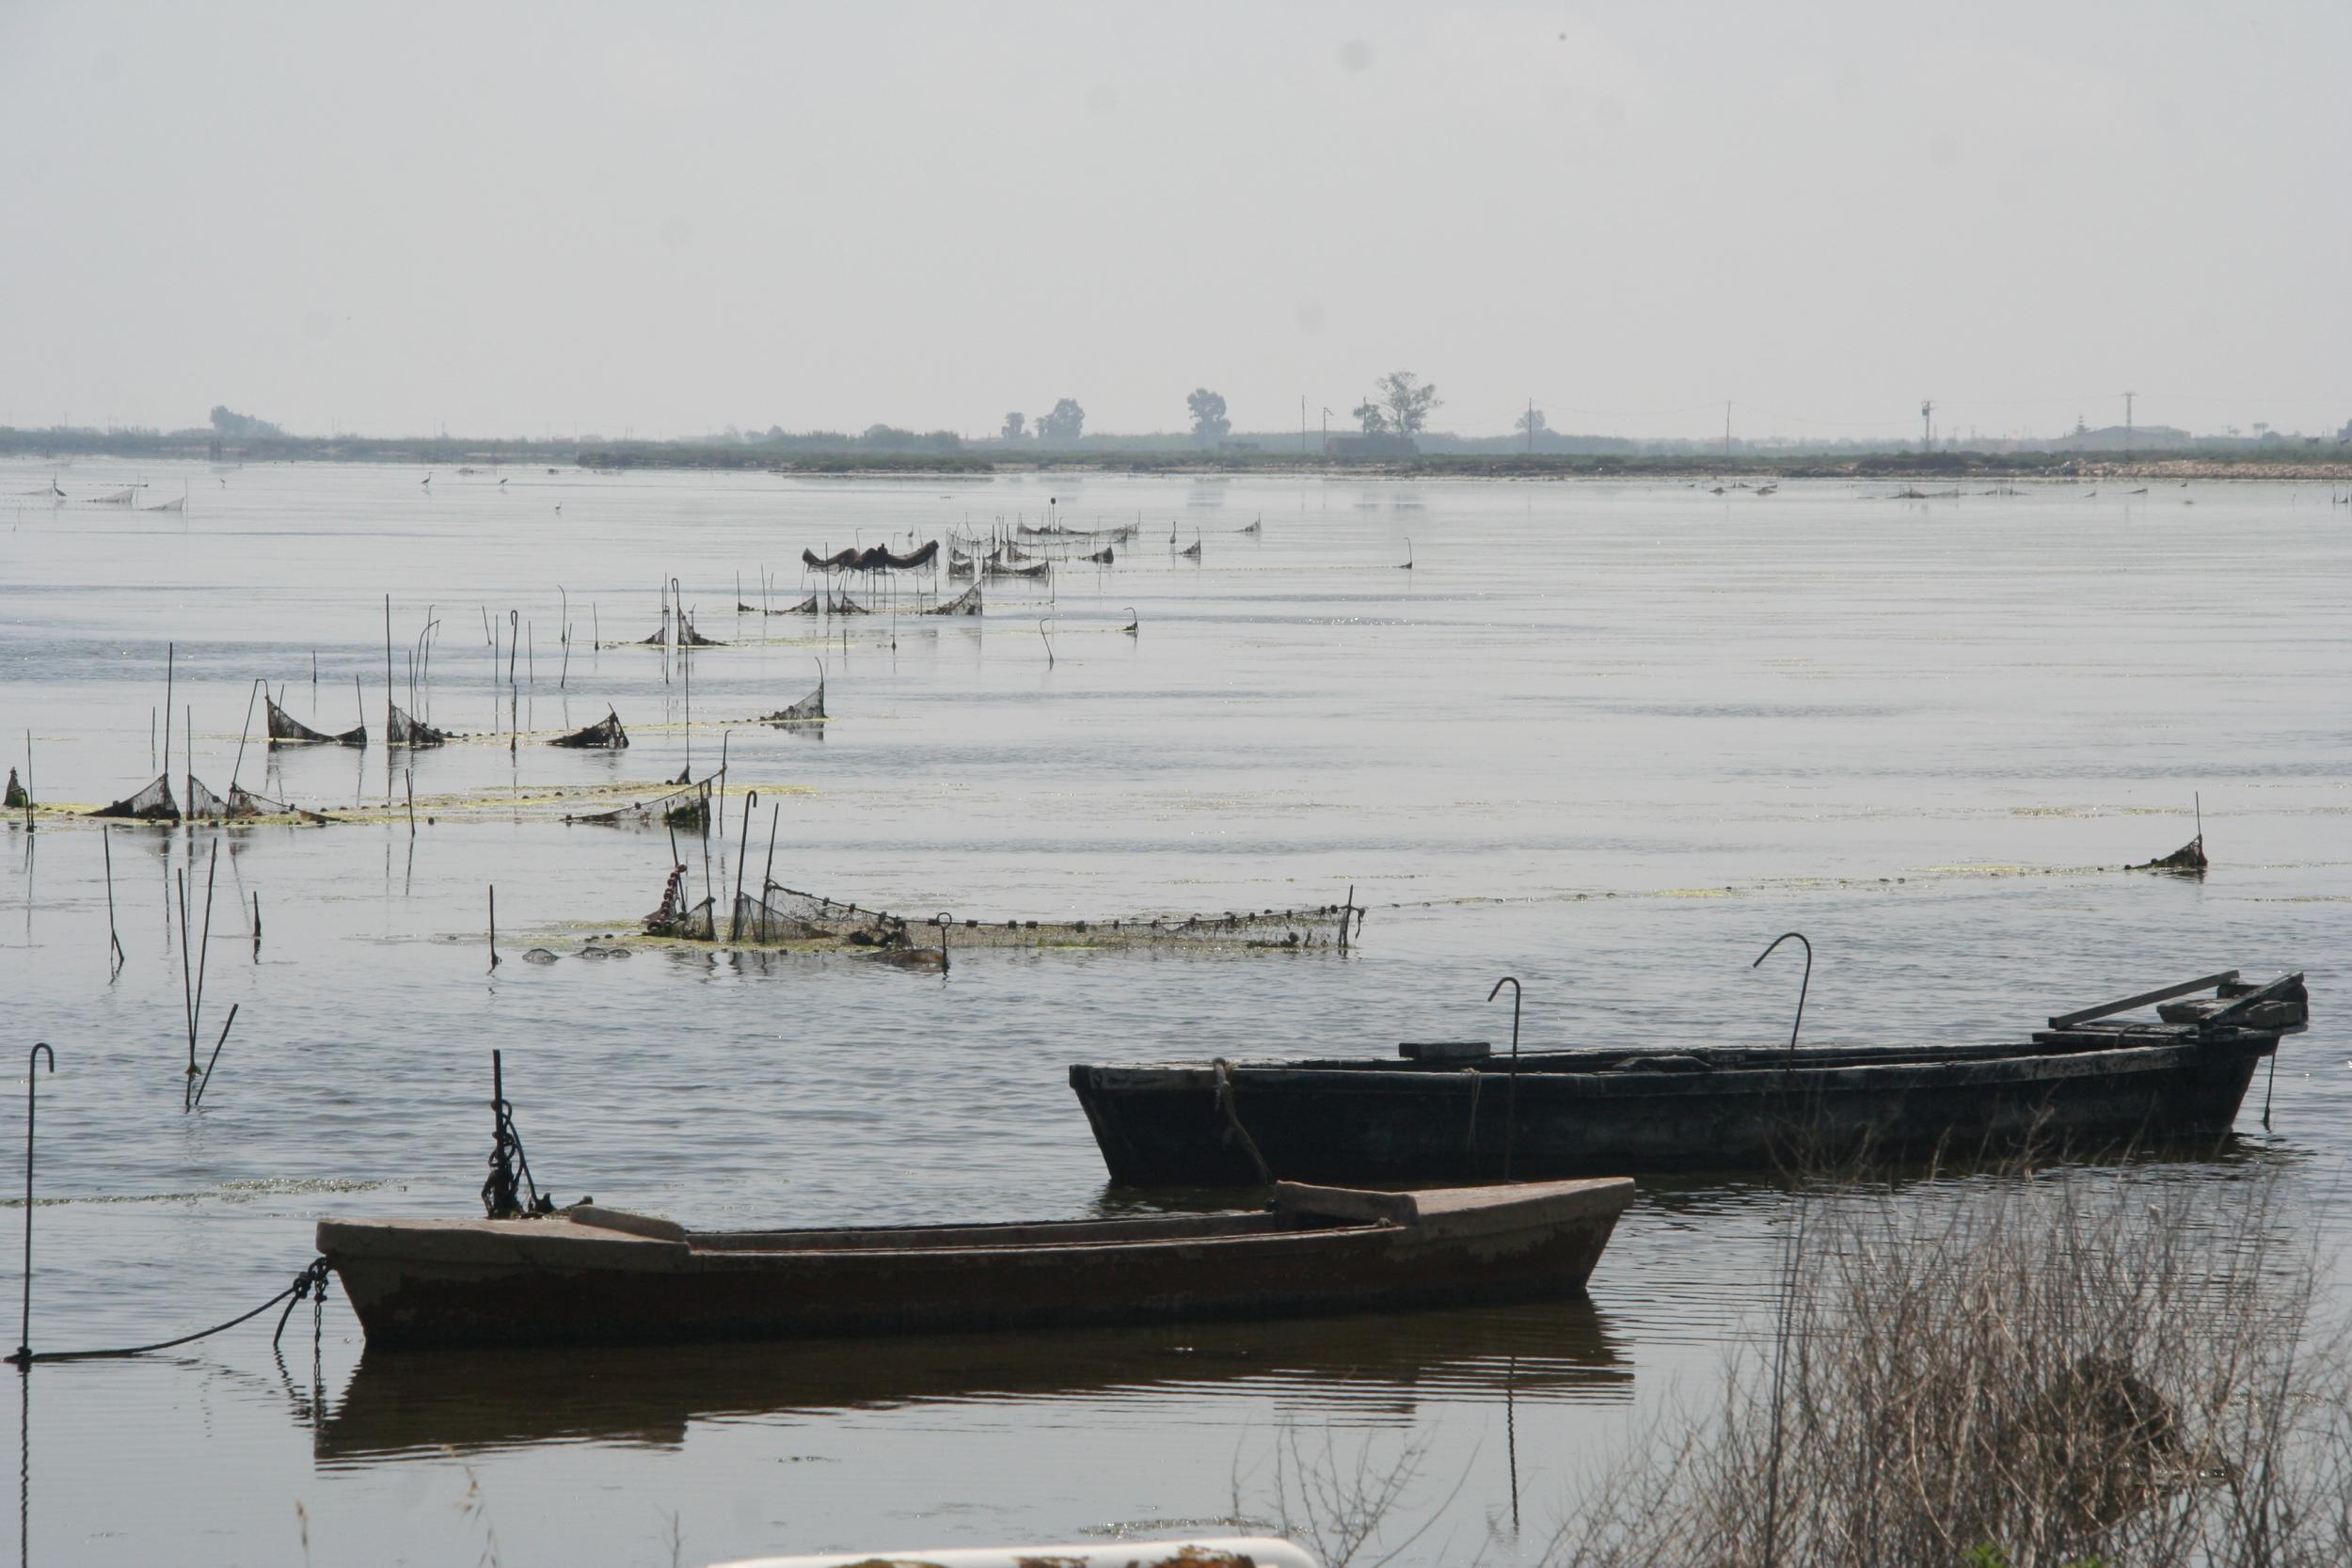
x=946, y=922
x=734, y=927
x=1511, y=1102
x=23, y=1356
x=1804, y=986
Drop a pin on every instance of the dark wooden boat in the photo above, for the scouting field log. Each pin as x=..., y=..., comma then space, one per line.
x=587, y=1274
x=1457, y=1113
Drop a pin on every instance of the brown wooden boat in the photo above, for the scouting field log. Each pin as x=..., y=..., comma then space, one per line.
x=587, y=1274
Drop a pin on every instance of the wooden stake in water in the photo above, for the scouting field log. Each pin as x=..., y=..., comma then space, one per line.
x=206, y=1081
x=494, y=926
x=195, y=1012
x=187, y=970
x=114, y=940
x=23, y=1356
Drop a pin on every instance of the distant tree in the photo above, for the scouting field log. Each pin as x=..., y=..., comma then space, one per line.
x=1016, y=426
x=1209, y=423
x=228, y=421
x=1064, y=424
x=1408, y=400
x=1372, y=417
x=1530, y=422
x=887, y=436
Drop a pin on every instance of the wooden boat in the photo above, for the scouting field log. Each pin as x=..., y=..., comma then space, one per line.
x=1457, y=1113
x=587, y=1274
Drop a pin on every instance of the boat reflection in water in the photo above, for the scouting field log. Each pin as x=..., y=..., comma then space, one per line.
x=1371, y=1370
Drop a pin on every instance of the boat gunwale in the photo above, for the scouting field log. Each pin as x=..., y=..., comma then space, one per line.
x=2030, y=1065
x=1519, y=1206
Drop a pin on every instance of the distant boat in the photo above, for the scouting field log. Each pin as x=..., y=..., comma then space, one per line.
x=588, y=1274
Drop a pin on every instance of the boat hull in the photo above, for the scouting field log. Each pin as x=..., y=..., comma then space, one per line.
x=419, y=1283
x=1396, y=1122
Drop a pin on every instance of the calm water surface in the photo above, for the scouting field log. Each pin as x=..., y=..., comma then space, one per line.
x=1610, y=738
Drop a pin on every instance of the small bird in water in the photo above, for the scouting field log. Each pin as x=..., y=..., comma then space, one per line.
x=427, y=480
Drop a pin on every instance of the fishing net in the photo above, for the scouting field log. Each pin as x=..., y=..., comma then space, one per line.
x=2189, y=857
x=285, y=729
x=787, y=914
x=809, y=710
x=401, y=729
x=204, y=805
x=876, y=558
x=1119, y=535
x=242, y=802
x=1042, y=569
x=676, y=917
x=684, y=636
x=844, y=605
x=966, y=603
x=152, y=804
x=18, y=798
x=687, y=807
x=605, y=734
x=1099, y=558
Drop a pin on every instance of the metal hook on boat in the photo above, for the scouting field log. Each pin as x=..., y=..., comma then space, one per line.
x=1803, y=987
x=23, y=1356
x=1511, y=1103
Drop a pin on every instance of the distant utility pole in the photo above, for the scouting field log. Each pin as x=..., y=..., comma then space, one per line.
x=1927, y=424
x=1327, y=432
x=1726, y=432
x=1531, y=427
x=2127, y=419
x=1302, y=425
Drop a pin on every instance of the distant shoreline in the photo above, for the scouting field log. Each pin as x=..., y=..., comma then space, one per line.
x=2300, y=465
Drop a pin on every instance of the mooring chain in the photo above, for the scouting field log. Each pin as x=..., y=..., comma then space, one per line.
x=310, y=1282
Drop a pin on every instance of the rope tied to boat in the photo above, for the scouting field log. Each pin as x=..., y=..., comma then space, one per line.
x=310, y=1284
x=1234, y=1131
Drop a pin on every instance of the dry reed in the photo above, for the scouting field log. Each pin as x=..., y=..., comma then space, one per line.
x=2122, y=1366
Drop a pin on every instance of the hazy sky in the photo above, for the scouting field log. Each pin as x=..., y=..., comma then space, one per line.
x=509, y=219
